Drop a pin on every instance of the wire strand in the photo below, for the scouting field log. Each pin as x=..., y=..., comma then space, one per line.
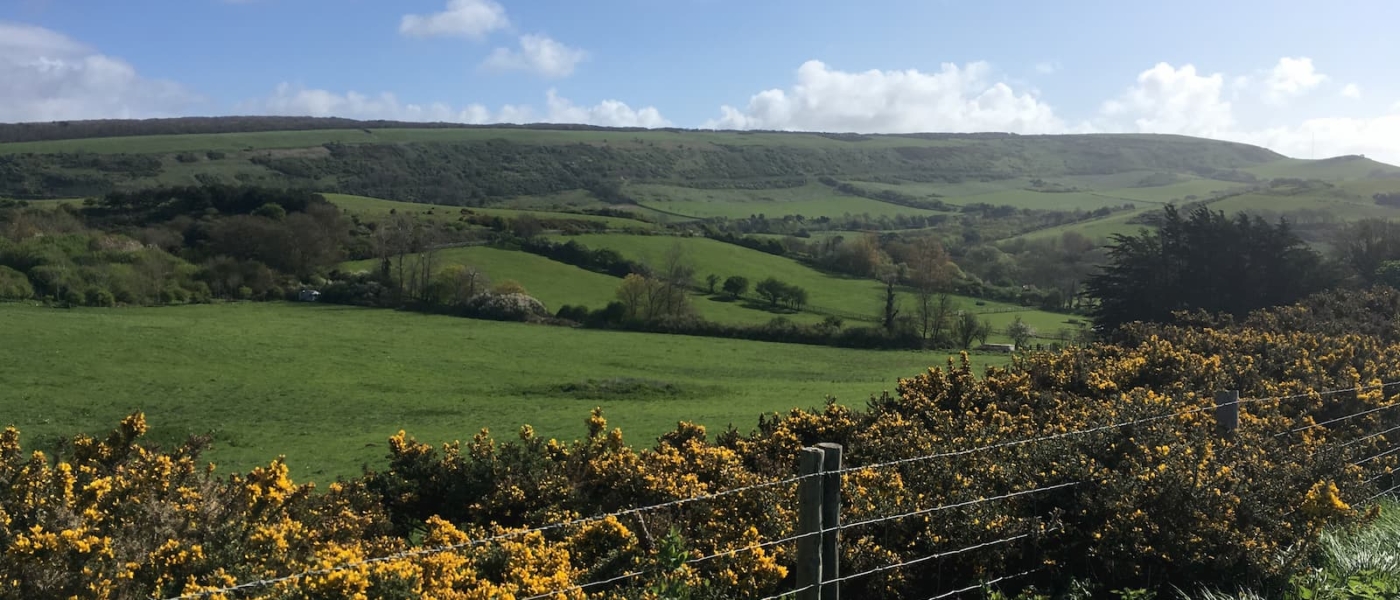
x=957, y=505
x=929, y=558
x=982, y=585
x=623, y=577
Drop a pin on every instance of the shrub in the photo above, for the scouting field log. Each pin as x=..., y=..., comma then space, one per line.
x=506, y=307
x=14, y=285
x=100, y=297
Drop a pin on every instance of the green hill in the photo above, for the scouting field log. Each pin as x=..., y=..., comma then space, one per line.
x=557, y=284
x=482, y=165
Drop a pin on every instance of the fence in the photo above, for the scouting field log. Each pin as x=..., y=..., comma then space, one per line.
x=819, y=526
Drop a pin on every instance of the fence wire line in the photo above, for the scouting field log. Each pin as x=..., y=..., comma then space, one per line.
x=623, y=577
x=642, y=509
x=790, y=592
x=1013, y=443
x=928, y=558
x=956, y=505
x=1352, y=442
x=982, y=585
x=1350, y=416
x=842, y=527
x=416, y=552
x=1374, y=496
x=1375, y=456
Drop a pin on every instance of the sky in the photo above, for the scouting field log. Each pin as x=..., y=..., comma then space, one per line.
x=1308, y=79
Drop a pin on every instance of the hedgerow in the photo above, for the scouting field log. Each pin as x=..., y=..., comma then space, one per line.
x=1168, y=501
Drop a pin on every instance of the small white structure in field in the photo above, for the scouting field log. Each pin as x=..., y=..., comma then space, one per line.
x=1005, y=348
x=309, y=296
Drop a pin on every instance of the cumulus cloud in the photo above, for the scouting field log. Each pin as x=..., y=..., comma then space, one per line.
x=461, y=18
x=1167, y=99
x=1048, y=67
x=961, y=99
x=1351, y=90
x=292, y=100
x=1290, y=78
x=611, y=113
x=1374, y=137
x=539, y=54
x=47, y=76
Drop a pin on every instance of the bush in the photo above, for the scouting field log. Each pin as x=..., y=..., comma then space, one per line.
x=14, y=285
x=100, y=297
x=506, y=307
x=245, y=292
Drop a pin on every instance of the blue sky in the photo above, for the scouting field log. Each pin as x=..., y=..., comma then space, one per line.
x=1300, y=77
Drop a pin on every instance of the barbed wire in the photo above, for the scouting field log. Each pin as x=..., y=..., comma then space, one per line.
x=1375, y=456
x=982, y=585
x=623, y=577
x=1374, y=496
x=930, y=557
x=790, y=592
x=935, y=509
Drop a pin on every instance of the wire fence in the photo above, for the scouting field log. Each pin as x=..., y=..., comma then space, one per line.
x=823, y=531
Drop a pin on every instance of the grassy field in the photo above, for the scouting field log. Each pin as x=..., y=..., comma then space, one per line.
x=378, y=207
x=846, y=296
x=1331, y=169
x=557, y=284
x=809, y=201
x=326, y=385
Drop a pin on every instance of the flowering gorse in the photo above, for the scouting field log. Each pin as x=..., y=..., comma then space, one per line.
x=1167, y=500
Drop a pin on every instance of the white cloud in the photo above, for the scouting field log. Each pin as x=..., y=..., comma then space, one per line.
x=291, y=100
x=1326, y=137
x=538, y=53
x=464, y=18
x=1290, y=78
x=294, y=101
x=1351, y=90
x=1048, y=67
x=955, y=98
x=1167, y=99
x=611, y=113
x=47, y=76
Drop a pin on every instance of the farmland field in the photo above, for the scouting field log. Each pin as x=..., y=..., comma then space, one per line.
x=327, y=385
x=809, y=201
x=557, y=284
x=377, y=207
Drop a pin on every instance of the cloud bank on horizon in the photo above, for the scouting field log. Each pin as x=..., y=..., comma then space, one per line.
x=46, y=75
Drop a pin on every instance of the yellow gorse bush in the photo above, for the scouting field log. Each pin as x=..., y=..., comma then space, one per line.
x=1167, y=500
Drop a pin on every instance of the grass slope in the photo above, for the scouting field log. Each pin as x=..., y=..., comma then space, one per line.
x=810, y=201
x=847, y=296
x=557, y=284
x=378, y=207
x=326, y=385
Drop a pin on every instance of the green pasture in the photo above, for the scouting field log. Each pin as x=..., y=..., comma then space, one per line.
x=327, y=385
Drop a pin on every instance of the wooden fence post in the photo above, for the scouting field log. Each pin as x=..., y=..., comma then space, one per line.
x=1227, y=410
x=831, y=520
x=809, y=525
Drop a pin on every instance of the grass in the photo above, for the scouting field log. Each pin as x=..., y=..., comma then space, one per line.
x=327, y=385
x=557, y=284
x=810, y=201
x=828, y=293
x=1357, y=562
x=364, y=205
x=1331, y=169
